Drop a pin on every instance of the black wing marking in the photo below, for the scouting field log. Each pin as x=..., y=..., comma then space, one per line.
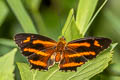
x=89, y=46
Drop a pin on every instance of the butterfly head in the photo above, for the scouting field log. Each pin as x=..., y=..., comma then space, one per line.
x=62, y=40
x=61, y=44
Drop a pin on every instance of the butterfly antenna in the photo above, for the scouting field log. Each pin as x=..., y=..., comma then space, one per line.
x=68, y=25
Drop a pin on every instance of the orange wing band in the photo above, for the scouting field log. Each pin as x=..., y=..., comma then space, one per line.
x=27, y=40
x=38, y=63
x=79, y=44
x=72, y=64
x=81, y=54
x=96, y=43
x=36, y=51
x=43, y=42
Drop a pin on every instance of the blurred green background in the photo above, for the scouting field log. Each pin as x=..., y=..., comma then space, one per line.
x=49, y=17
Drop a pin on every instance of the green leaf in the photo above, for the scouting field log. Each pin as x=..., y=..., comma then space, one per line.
x=84, y=13
x=85, y=72
x=66, y=30
x=74, y=31
x=84, y=32
x=25, y=71
x=113, y=46
x=3, y=11
x=83, y=20
x=6, y=66
x=7, y=42
x=70, y=31
x=22, y=16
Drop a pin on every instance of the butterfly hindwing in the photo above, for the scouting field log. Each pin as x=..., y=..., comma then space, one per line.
x=88, y=47
x=41, y=62
x=71, y=63
x=37, y=48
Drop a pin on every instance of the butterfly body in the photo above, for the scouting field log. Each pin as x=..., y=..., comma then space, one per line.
x=43, y=52
x=59, y=49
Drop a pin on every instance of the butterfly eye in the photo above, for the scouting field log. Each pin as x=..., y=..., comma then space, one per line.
x=63, y=38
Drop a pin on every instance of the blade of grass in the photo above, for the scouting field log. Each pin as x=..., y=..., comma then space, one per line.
x=34, y=6
x=22, y=16
x=94, y=17
x=39, y=22
x=3, y=11
x=84, y=13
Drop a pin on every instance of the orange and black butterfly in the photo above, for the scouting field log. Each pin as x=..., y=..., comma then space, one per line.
x=43, y=52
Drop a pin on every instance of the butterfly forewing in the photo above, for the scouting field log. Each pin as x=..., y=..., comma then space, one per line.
x=88, y=47
x=34, y=42
x=37, y=48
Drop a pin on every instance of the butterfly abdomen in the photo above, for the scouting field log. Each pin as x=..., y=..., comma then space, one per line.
x=58, y=57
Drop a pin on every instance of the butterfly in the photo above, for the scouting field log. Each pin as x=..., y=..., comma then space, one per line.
x=43, y=52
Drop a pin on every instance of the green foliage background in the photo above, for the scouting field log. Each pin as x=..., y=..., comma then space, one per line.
x=72, y=18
